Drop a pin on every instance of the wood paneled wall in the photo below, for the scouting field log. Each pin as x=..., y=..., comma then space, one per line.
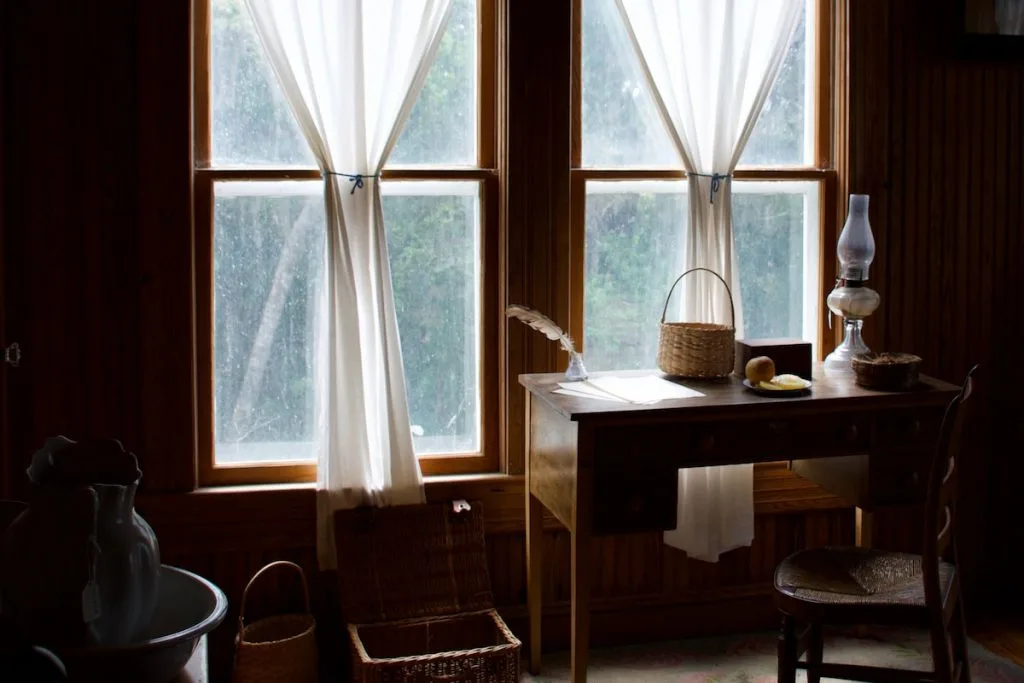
x=643, y=590
x=71, y=240
x=97, y=287
x=936, y=141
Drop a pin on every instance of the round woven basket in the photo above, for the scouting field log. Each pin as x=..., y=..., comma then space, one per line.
x=697, y=349
x=277, y=648
x=887, y=371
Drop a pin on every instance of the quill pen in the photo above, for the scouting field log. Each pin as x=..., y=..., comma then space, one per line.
x=552, y=331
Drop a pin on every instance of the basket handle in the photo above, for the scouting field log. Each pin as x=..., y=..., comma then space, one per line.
x=732, y=306
x=279, y=564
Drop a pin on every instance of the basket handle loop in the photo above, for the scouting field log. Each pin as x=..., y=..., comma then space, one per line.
x=732, y=307
x=279, y=564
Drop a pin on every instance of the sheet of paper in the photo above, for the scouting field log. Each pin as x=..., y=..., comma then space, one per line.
x=596, y=397
x=642, y=390
x=586, y=390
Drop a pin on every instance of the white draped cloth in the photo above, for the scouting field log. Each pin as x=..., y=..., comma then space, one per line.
x=350, y=71
x=710, y=66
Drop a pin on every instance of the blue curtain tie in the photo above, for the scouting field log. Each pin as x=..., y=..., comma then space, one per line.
x=716, y=181
x=356, y=178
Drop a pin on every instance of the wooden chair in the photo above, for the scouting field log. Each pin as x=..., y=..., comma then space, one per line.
x=862, y=586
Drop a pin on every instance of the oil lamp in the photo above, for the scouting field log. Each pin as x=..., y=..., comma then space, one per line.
x=851, y=298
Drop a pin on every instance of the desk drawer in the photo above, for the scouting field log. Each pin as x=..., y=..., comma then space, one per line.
x=634, y=500
x=899, y=477
x=635, y=481
x=780, y=438
x=909, y=428
x=696, y=444
x=830, y=434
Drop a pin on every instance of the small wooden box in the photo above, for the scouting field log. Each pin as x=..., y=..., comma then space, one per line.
x=791, y=356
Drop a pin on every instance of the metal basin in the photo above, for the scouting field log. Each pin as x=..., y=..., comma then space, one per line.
x=187, y=607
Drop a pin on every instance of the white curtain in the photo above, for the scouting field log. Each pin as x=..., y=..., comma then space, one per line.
x=710, y=66
x=351, y=71
x=1009, y=15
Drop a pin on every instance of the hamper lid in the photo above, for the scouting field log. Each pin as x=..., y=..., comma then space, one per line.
x=411, y=561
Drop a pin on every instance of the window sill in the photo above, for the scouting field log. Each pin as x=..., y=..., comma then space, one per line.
x=430, y=482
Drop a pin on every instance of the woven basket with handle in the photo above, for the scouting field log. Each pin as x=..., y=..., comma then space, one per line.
x=277, y=648
x=697, y=349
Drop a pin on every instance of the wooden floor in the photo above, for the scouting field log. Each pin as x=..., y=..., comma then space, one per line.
x=1003, y=636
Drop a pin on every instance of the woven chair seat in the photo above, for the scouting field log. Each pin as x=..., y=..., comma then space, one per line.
x=861, y=577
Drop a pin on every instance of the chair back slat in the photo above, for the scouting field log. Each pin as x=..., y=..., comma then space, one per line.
x=945, y=535
x=940, y=514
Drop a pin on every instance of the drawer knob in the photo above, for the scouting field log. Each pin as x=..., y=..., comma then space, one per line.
x=914, y=428
x=778, y=428
x=851, y=433
x=707, y=443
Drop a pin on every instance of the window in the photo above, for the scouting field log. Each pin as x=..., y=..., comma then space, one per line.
x=260, y=255
x=618, y=228
x=630, y=202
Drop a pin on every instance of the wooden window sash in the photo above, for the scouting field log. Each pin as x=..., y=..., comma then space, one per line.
x=827, y=138
x=490, y=18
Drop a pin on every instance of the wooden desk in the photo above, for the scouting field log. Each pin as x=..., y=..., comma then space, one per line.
x=610, y=468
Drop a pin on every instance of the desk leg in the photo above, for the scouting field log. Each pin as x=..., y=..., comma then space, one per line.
x=581, y=561
x=534, y=571
x=865, y=526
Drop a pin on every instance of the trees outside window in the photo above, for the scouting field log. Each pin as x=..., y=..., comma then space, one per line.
x=260, y=233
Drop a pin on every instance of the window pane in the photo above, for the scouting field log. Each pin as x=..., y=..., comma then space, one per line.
x=776, y=233
x=434, y=247
x=251, y=122
x=634, y=250
x=267, y=262
x=783, y=133
x=621, y=126
x=442, y=128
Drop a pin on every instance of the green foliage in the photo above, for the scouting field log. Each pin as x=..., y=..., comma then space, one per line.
x=432, y=243
x=634, y=239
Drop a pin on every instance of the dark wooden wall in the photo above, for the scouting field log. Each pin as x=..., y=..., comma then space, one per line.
x=936, y=140
x=97, y=288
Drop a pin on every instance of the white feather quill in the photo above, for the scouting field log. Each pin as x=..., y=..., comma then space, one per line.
x=542, y=324
x=552, y=331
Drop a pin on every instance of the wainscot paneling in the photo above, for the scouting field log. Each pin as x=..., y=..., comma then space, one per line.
x=935, y=140
x=642, y=589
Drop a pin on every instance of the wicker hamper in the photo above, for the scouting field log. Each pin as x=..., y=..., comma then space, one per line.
x=416, y=595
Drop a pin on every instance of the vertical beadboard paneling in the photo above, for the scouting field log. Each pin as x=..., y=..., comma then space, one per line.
x=946, y=211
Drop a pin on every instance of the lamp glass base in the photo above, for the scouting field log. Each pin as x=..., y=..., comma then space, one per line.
x=840, y=361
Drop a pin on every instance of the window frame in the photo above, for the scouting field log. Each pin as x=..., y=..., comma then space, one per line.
x=824, y=170
x=486, y=173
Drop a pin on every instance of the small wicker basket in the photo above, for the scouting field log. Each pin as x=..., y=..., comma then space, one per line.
x=277, y=648
x=697, y=349
x=887, y=371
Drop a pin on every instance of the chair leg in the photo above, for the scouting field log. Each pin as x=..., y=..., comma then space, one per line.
x=958, y=633
x=815, y=653
x=787, y=650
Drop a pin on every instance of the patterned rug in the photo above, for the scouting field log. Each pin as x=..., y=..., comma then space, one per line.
x=750, y=658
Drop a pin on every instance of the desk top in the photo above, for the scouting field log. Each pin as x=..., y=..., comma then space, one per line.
x=728, y=393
